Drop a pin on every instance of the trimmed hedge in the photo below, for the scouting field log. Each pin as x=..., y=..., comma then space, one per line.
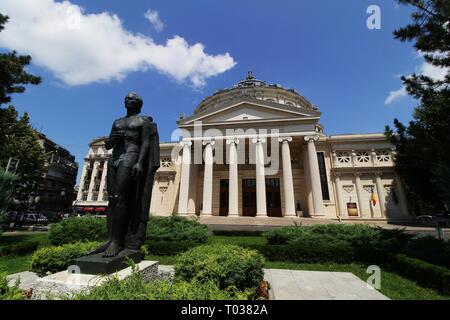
x=227, y=265
x=78, y=229
x=58, y=258
x=20, y=248
x=424, y=273
x=431, y=250
x=176, y=229
x=237, y=233
x=308, y=252
x=170, y=229
x=168, y=248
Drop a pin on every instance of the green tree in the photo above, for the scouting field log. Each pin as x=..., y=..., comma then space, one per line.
x=13, y=75
x=18, y=139
x=423, y=152
x=6, y=187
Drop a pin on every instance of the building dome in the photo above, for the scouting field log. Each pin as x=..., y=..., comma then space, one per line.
x=253, y=88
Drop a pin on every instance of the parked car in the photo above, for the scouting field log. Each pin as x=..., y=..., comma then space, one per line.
x=33, y=218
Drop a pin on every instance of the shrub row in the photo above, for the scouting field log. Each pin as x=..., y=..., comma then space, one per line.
x=171, y=229
x=20, y=248
x=176, y=229
x=424, y=273
x=168, y=248
x=307, y=252
x=78, y=229
x=229, y=266
x=238, y=233
x=58, y=258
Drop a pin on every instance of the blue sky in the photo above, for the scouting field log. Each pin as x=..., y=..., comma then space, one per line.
x=323, y=49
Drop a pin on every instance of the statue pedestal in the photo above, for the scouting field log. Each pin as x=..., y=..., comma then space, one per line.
x=97, y=264
x=65, y=284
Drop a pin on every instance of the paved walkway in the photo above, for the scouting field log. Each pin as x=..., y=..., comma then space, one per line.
x=318, y=285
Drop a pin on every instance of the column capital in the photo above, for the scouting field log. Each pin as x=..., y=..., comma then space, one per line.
x=259, y=139
x=357, y=174
x=185, y=143
x=285, y=139
x=311, y=139
x=209, y=141
x=378, y=173
x=231, y=140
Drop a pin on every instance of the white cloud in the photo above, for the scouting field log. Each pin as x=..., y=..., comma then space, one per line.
x=153, y=17
x=81, y=48
x=396, y=95
x=425, y=69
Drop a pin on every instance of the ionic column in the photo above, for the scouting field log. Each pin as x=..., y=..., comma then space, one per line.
x=208, y=179
x=401, y=195
x=92, y=184
x=316, y=188
x=380, y=192
x=83, y=176
x=261, y=206
x=184, y=180
x=288, y=183
x=103, y=181
x=233, y=185
x=359, y=193
x=340, y=208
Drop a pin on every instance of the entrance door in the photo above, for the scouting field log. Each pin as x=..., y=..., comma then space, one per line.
x=249, y=197
x=273, y=197
x=223, y=197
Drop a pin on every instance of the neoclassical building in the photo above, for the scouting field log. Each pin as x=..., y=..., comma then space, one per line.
x=258, y=150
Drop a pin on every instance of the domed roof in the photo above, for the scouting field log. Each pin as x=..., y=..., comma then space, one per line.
x=250, y=81
x=257, y=89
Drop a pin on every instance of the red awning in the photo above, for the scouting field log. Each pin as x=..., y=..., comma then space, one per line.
x=100, y=209
x=88, y=209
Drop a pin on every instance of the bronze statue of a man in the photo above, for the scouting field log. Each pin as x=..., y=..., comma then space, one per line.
x=135, y=158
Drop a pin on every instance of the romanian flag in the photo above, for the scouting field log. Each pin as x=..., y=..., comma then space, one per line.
x=373, y=198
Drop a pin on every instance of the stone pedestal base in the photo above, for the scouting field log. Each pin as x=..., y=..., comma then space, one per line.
x=66, y=284
x=97, y=264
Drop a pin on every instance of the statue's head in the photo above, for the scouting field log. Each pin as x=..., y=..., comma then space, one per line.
x=133, y=102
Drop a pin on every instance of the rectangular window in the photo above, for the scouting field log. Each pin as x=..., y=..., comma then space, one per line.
x=323, y=176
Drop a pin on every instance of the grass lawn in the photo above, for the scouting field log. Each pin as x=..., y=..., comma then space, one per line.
x=15, y=264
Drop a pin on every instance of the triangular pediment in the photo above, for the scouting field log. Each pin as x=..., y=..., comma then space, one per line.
x=250, y=111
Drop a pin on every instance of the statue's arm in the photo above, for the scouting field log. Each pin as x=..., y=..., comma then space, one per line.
x=113, y=138
x=146, y=133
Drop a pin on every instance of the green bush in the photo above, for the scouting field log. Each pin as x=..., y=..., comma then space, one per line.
x=176, y=229
x=238, y=233
x=227, y=265
x=171, y=229
x=431, y=250
x=168, y=248
x=134, y=288
x=308, y=251
x=78, y=229
x=424, y=273
x=58, y=258
x=368, y=244
x=20, y=248
x=7, y=292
